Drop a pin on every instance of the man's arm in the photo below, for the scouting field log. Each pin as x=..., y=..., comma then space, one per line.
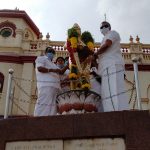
x=61, y=71
x=46, y=70
x=103, y=48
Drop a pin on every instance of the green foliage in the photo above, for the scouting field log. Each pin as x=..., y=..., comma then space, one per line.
x=87, y=37
x=72, y=33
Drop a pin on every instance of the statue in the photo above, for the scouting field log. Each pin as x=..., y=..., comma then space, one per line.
x=80, y=47
x=79, y=99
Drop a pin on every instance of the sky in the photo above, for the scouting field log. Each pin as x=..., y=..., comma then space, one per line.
x=128, y=17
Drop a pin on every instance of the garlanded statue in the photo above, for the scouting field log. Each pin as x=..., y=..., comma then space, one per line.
x=80, y=47
x=79, y=99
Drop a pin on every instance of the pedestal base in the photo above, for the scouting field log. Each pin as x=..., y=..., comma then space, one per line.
x=78, y=101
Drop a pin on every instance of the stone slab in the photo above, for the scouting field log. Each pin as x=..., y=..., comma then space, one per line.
x=35, y=145
x=95, y=144
x=80, y=144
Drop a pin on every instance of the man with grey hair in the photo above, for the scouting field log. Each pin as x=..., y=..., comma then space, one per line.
x=111, y=69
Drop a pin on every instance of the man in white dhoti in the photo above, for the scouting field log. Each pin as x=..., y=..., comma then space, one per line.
x=48, y=83
x=111, y=69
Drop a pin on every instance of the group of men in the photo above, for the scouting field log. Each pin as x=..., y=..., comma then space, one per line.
x=110, y=68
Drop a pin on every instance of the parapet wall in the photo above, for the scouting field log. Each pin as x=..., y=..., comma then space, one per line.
x=131, y=126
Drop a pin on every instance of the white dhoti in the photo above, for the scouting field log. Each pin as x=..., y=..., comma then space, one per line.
x=113, y=91
x=46, y=102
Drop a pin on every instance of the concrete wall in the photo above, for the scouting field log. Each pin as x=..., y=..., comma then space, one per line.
x=131, y=127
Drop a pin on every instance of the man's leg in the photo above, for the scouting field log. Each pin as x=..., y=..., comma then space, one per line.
x=113, y=94
x=106, y=91
x=52, y=96
x=46, y=104
x=123, y=99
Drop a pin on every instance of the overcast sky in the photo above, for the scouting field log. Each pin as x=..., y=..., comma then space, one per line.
x=128, y=17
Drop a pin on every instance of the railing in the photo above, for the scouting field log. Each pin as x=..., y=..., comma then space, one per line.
x=128, y=50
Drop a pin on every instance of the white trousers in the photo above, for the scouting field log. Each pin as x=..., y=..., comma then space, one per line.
x=46, y=102
x=113, y=91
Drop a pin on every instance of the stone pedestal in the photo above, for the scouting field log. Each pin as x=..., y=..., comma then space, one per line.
x=78, y=101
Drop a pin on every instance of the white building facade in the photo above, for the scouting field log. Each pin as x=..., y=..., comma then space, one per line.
x=21, y=42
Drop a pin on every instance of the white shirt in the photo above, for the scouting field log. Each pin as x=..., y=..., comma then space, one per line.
x=46, y=79
x=113, y=54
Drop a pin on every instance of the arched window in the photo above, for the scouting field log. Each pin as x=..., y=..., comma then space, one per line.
x=6, y=32
x=7, y=29
x=1, y=82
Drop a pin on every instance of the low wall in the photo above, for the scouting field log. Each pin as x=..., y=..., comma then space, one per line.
x=131, y=126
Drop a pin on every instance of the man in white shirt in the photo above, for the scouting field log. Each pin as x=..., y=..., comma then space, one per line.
x=48, y=83
x=111, y=69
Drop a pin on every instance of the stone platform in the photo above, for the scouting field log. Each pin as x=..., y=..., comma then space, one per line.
x=132, y=127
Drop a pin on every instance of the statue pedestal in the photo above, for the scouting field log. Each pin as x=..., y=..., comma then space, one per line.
x=78, y=101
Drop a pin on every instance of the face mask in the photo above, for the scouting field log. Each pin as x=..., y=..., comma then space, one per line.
x=104, y=30
x=60, y=66
x=50, y=56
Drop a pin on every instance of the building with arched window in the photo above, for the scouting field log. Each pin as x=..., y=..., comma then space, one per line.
x=21, y=42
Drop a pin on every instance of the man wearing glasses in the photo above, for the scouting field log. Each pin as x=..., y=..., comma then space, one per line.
x=111, y=69
x=48, y=83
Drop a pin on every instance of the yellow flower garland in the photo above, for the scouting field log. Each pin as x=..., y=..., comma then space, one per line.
x=86, y=85
x=90, y=45
x=72, y=76
x=74, y=42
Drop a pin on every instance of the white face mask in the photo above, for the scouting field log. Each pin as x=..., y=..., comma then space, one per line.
x=104, y=30
x=50, y=55
x=60, y=66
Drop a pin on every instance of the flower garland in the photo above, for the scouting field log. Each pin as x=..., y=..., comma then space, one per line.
x=72, y=43
x=73, y=72
x=84, y=83
x=87, y=38
x=73, y=46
